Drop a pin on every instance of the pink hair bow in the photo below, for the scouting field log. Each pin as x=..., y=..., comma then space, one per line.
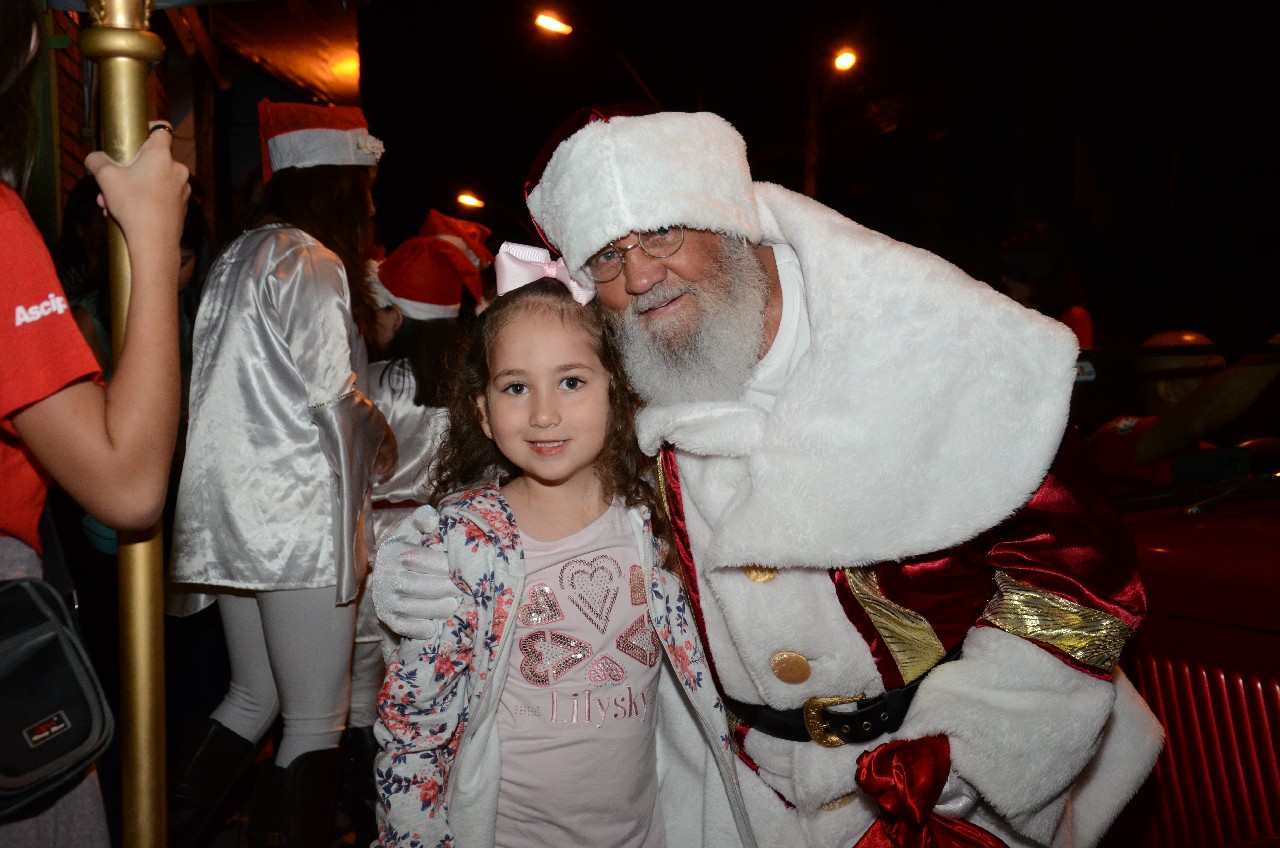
x=520, y=264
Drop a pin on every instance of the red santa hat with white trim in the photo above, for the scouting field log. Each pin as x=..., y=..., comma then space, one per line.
x=424, y=277
x=469, y=236
x=606, y=173
x=300, y=135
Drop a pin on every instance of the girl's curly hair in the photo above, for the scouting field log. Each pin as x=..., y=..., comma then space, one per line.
x=467, y=456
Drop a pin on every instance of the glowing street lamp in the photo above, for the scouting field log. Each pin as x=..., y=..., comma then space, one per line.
x=551, y=23
x=843, y=61
x=348, y=67
x=497, y=207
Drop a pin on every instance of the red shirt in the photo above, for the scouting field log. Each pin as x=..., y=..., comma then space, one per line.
x=42, y=353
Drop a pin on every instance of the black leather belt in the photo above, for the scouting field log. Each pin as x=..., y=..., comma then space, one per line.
x=817, y=722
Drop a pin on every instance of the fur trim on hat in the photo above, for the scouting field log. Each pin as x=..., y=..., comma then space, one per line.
x=302, y=135
x=640, y=173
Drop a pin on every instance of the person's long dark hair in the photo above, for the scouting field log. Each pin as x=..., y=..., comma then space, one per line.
x=17, y=104
x=329, y=203
x=468, y=457
x=196, y=237
x=423, y=346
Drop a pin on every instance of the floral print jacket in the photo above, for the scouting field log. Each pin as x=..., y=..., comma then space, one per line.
x=437, y=772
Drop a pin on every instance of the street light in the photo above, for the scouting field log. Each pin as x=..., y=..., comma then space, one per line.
x=347, y=67
x=843, y=61
x=551, y=23
x=473, y=201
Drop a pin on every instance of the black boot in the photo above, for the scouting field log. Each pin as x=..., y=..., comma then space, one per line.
x=214, y=759
x=293, y=807
x=357, y=791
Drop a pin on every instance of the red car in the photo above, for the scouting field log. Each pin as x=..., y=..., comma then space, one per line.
x=1207, y=658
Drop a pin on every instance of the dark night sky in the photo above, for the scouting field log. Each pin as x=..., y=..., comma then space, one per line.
x=1138, y=129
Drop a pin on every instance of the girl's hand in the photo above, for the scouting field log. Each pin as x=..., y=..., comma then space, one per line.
x=147, y=195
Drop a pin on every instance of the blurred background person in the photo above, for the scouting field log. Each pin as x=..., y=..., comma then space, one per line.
x=80, y=256
x=196, y=256
x=98, y=442
x=280, y=454
x=1186, y=401
x=1035, y=269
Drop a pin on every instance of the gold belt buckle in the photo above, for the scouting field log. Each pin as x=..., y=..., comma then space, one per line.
x=817, y=727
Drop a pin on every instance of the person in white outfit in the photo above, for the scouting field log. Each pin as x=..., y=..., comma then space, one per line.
x=282, y=447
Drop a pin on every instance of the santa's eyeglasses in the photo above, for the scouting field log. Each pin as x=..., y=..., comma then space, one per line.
x=661, y=243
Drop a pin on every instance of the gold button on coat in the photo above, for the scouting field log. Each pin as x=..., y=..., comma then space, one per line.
x=759, y=573
x=790, y=667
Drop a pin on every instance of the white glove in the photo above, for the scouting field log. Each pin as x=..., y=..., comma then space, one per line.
x=957, y=799
x=413, y=591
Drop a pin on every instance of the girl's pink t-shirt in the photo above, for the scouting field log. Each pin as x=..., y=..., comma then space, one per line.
x=577, y=714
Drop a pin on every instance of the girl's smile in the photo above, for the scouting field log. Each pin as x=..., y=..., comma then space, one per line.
x=548, y=448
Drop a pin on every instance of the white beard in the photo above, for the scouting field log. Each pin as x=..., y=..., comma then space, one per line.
x=714, y=360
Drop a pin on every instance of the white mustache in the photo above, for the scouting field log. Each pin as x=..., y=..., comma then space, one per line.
x=656, y=296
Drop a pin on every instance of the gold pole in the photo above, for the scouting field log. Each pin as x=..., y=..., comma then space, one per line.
x=125, y=51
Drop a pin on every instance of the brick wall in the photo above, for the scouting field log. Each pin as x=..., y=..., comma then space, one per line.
x=69, y=102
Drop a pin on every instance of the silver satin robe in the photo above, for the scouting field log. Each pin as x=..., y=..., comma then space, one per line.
x=418, y=431
x=282, y=437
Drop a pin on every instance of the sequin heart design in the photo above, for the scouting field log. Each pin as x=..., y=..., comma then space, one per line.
x=639, y=642
x=592, y=587
x=543, y=608
x=606, y=670
x=637, y=586
x=549, y=654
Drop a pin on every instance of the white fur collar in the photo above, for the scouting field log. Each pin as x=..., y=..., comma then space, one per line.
x=927, y=409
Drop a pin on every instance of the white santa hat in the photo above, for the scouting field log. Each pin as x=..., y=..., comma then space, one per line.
x=622, y=174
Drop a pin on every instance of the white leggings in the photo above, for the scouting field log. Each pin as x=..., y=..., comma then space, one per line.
x=367, y=665
x=290, y=653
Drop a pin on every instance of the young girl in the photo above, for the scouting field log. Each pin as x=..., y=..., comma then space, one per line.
x=540, y=710
x=419, y=291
